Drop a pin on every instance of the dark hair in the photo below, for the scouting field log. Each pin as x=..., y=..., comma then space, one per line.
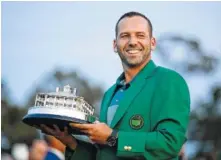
x=132, y=14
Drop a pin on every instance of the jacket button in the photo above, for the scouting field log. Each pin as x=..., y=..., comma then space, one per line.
x=125, y=148
x=129, y=148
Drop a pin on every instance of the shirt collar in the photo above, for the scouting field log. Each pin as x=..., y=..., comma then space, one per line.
x=121, y=81
x=145, y=72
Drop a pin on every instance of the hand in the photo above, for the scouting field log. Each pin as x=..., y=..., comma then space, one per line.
x=38, y=150
x=64, y=137
x=97, y=132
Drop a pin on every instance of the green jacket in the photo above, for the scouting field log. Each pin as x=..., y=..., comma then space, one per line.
x=152, y=119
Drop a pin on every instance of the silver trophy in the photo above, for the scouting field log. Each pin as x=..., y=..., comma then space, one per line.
x=61, y=108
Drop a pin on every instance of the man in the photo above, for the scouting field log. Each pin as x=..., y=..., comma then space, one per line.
x=145, y=114
x=38, y=150
x=55, y=148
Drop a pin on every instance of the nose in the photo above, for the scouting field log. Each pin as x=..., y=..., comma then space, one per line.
x=132, y=41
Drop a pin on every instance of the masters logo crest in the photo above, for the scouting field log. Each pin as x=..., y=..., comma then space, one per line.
x=136, y=122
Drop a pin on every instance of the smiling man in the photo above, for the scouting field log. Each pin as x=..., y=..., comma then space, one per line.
x=145, y=114
x=134, y=42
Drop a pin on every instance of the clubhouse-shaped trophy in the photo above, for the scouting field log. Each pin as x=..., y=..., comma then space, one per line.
x=61, y=108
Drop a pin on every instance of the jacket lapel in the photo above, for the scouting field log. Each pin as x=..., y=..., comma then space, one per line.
x=106, y=102
x=129, y=96
x=136, y=87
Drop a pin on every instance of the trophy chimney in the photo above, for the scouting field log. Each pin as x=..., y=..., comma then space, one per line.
x=75, y=91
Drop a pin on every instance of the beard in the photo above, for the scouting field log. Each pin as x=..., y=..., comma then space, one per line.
x=133, y=61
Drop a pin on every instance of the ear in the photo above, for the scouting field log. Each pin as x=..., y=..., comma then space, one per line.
x=115, y=45
x=153, y=43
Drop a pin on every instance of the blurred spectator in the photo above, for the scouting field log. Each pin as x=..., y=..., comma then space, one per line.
x=4, y=142
x=5, y=148
x=56, y=148
x=182, y=153
x=6, y=156
x=20, y=151
x=38, y=150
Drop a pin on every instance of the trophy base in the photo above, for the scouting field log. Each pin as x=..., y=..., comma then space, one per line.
x=35, y=120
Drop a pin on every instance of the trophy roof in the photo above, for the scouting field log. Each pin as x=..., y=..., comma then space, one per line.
x=58, y=94
x=64, y=97
x=66, y=92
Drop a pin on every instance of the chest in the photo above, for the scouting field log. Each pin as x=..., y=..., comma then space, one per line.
x=137, y=116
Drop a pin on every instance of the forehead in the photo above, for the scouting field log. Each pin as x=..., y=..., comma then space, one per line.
x=133, y=24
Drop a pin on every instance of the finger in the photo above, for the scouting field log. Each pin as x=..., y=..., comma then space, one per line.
x=57, y=129
x=45, y=132
x=66, y=130
x=81, y=126
x=85, y=131
x=95, y=140
x=96, y=122
x=42, y=127
x=47, y=129
x=92, y=138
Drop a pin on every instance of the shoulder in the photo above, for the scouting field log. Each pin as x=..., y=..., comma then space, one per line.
x=168, y=75
x=54, y=154
x=168, y=79
x=171, y=82
x=110, y=89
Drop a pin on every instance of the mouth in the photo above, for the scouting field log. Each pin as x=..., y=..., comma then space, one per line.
x=133, y=51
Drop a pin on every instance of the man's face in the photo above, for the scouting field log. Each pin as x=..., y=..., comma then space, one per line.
x=134, y=42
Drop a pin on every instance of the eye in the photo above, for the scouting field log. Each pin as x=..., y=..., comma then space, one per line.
x=141, y=36
x=124, y=36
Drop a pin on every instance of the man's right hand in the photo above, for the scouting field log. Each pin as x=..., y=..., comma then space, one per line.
x=64, y=137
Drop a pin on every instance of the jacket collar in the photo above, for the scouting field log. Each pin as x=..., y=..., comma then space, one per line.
x=145, y=72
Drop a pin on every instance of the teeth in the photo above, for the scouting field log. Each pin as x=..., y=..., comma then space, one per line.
x=133, y=51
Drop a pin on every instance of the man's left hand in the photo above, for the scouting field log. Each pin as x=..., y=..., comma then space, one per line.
x=97, y=132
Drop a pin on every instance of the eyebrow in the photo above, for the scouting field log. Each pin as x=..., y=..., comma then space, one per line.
x=140, y=33
x=135, y=33
x=123, y=33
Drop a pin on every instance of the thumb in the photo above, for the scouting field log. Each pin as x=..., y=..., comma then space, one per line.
x=96, y=122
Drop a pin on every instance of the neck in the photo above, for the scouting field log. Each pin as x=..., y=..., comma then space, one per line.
x=131, y=72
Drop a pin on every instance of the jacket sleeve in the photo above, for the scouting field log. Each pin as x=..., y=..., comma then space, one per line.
x=169, y=117
x=85, y=151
